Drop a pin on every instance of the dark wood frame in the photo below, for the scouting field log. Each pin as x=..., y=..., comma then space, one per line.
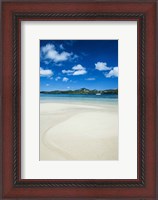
x=145, y=14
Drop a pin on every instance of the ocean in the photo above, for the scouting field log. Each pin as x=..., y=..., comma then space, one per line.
x=79, y=98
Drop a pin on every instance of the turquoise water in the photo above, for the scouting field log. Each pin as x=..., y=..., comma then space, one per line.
x=85, y=98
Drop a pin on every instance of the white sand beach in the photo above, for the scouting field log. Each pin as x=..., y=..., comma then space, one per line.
x=77, y=131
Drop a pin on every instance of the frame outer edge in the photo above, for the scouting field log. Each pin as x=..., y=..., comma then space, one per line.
x=157, y=127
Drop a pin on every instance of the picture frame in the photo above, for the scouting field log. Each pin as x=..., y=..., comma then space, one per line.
x=145, y=186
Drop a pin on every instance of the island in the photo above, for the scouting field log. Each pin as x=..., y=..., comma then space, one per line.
x=82, y=91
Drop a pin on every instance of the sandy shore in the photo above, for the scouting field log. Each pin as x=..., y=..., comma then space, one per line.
x=71, y=131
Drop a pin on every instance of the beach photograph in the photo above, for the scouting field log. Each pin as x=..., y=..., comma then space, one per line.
x=78, y=100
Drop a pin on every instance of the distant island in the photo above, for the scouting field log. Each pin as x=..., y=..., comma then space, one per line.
x=82, y=91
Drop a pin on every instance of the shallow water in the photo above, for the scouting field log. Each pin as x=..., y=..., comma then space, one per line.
x=77, y=98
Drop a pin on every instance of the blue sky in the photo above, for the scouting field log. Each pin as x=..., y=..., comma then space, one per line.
x=74, y=64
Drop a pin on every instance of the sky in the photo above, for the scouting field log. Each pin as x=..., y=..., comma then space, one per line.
x=75, y=64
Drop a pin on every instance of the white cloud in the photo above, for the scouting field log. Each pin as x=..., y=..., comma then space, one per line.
x=65, y=79
x=112, y=73
x=58, y=78
x=78, y=67
x=45, y=72
x=68, y=87
x=74, y=57
x=68, y=72
x=102, y=66
x=49, y=52
x=76, y=70
x=47, y=85
x=90, y=79
x=61, y=47
x=58, y=64
x=46, y=62
x=80, y=72
x=47, y=48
